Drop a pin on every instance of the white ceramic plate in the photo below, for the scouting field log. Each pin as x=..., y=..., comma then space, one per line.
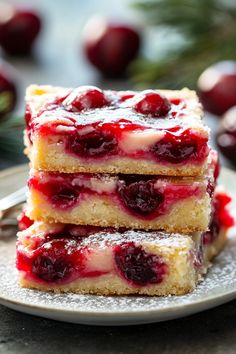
x=218, y=287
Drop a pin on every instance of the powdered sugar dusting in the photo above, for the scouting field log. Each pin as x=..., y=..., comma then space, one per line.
x=102, y=239
x=186, y=115
x=220, y=280
x=188, y=119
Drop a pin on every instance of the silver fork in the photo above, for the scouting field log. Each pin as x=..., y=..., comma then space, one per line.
x=8, y=203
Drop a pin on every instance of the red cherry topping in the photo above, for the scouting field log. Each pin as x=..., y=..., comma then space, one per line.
x=84, y=98
x=152, y=103
x=24, y=221
x=222, y=211
x=138, y=266
x=57, y=260
x=140, y=197
x=93, y=144
x=174, y=153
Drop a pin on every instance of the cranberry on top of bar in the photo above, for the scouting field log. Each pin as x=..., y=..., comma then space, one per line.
x=154, y=126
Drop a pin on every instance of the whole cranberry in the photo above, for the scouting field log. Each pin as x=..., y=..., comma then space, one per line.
x=18, y=29
x=151, y=103
x=217, y=87
x=110, y=47
x=7, y=89
x=226, y=137
x=84, y=98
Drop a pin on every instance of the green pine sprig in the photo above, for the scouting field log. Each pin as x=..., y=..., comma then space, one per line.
x=11, y=136
x=209, y=30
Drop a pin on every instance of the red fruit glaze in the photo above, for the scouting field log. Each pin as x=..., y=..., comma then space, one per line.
x=137, y=266
x=221, y=217
x=177, y=149
x=84, y=98
x=141, y=198
x=221, y=202
x=18, y=31
x=94, y=144
x=90, y=133
x=138, y=195
x=24, y=221
x=57, y=257
x=151, y=103
x=61, y=193
x=60, y=258
x=53, y=262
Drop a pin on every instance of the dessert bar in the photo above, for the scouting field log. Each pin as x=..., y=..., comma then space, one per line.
x=94, y=131
x=86, y=259
x=122, y=193
x=55, y=257
x=134, y=201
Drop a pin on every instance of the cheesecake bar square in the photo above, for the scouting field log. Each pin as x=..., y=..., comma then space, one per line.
x=153, y=132
x=107, y=261
x=69, y=258
x=133, y=201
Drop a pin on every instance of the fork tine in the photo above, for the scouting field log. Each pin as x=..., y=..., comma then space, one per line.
x=13, y=199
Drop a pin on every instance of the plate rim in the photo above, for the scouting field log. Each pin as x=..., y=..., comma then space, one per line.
x=118, y=319
x=114, y=312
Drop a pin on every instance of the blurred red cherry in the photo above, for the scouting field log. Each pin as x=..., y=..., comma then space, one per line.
x=217, y=87
x=18, y=29
x=226, y=137
x=110, y=47
x=7, y=89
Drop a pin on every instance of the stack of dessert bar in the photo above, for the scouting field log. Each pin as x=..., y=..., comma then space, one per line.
x=121, y=192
